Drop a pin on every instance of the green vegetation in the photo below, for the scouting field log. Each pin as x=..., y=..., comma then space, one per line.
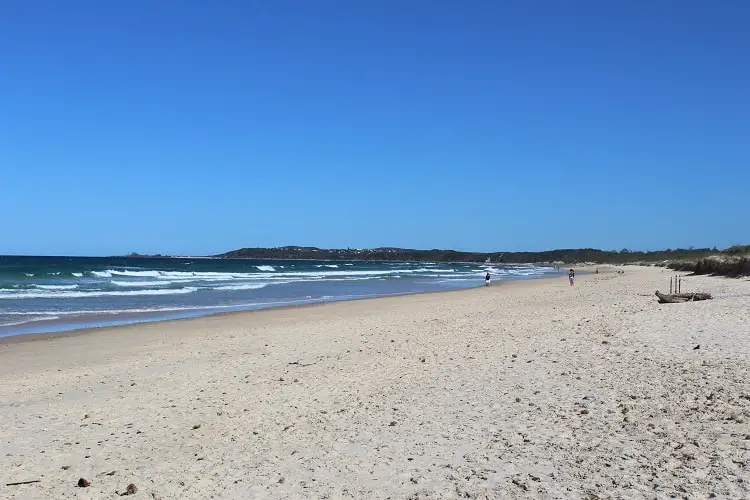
x=725, y=264
x=738, y=250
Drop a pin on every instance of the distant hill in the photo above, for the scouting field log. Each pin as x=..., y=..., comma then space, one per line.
x=410, y=255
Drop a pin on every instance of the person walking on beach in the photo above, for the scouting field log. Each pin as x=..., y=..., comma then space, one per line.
x=487, y=279
x=571, y=276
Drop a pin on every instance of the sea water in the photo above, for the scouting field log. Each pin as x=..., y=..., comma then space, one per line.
x=48, y=294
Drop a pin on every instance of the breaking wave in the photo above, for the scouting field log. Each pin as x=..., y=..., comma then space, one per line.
x=93, y=293
x=246, y=286
x=141, y=283
x=56, y=287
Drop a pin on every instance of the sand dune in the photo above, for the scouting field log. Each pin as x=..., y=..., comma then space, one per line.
x=523, y=390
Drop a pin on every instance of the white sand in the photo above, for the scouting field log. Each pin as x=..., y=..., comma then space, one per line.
x=528, y=389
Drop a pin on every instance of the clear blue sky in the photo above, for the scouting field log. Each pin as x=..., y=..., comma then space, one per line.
x=198, y=127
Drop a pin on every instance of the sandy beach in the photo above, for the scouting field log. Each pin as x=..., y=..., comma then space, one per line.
x=529, y=389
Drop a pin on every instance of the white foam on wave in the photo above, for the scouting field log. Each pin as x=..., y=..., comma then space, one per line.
x=93, y=293
x=22, y=322
x=141, y=283
x=350, y=278
x=177, y=275
x=139, y=274
x=29, y=274
x=494, y=270
x=84, y=312
x=246, y=286
x=77, y=275
x=518, y=272
x=218, y=276
x=267, y=272
x=325, y=274
x=56, y=287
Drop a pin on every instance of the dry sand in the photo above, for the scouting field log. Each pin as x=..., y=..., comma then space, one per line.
x=523, y=390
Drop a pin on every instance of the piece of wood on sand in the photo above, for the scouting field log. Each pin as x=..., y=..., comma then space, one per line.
x=681, y=297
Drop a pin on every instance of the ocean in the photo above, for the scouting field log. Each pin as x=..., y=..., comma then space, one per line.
x=51, y=294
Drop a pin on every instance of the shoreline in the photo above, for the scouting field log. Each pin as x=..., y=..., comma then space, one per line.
x=109, y=319
x=42, y=336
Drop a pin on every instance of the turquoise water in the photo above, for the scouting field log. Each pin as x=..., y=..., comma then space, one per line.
x=46, y=294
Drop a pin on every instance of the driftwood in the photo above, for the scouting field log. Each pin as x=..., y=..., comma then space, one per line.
x=681, y=297
x=24, y=482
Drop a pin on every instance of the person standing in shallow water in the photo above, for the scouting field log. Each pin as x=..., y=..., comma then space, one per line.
x=571, y=277
x=487, y=279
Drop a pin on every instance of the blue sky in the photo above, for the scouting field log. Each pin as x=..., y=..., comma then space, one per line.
x=199, y=127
